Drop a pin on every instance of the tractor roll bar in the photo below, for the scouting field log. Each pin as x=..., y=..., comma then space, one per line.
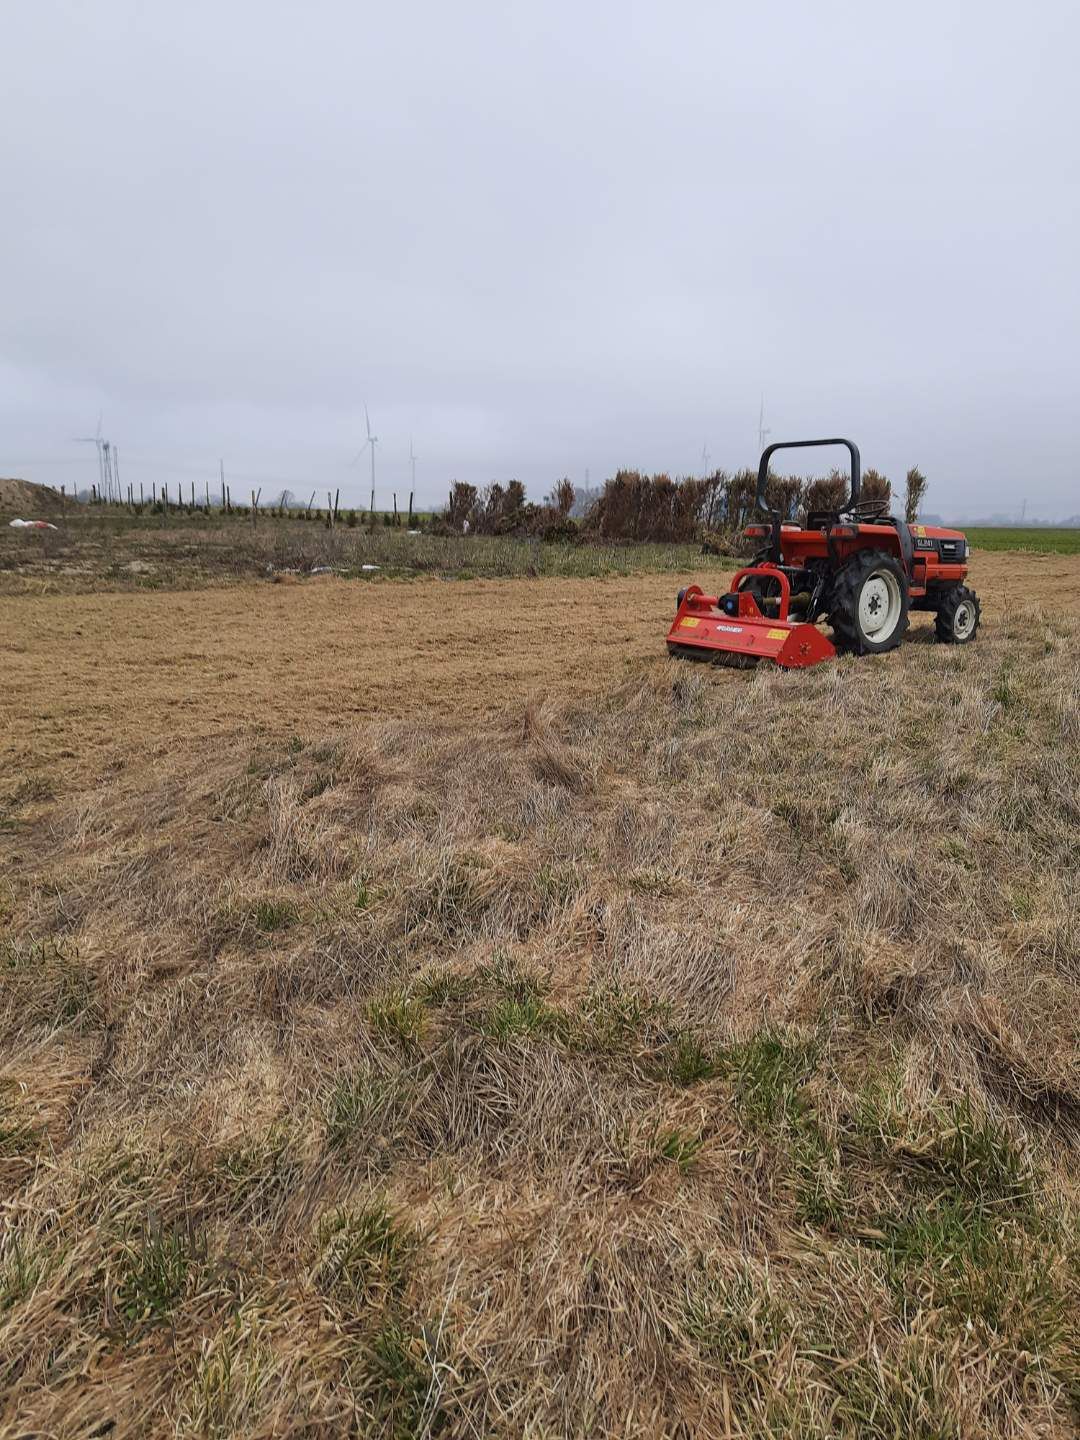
x=763, y=480
x=766, y=456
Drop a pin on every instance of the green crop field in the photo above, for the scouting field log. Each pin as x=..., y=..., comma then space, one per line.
x=1040, y=539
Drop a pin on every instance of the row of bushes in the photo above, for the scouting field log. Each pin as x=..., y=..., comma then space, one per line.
x=633, y=506
x=656, y=507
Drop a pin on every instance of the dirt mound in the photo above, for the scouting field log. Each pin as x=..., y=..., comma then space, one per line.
x=25, y=498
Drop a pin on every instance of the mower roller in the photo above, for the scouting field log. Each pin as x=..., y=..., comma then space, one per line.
x=859, y=567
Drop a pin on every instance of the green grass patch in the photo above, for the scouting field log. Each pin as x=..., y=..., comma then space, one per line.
x=612, y=1020
x=736, y=1320
x=23, y=1265
x=271, y=914
x=155, y=1274
x=983, y=1269
x=398, y=1016
x=364, y=1254
x=443, y=986
x=687, y=1060
x=556, y=886
x=353, y=1106
x=394, y=1380
x=768, y=1072
x=529, y=1015
x=681, y=1147
x=949, y=1145
x=1039, y=539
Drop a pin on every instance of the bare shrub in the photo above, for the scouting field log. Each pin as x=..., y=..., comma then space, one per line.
x=914, y=489
x=875, y=487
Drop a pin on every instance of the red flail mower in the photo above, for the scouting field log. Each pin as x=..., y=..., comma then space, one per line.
x=859, y=568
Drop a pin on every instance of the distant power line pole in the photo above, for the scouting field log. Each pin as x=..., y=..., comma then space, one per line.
x=762, y=428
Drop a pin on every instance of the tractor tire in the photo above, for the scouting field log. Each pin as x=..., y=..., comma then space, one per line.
x=957, y=616
x=868, y=611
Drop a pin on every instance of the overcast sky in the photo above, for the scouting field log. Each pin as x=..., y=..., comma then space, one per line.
x=541, y=239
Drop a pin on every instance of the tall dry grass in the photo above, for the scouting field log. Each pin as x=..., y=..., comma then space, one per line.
x=704, y=1062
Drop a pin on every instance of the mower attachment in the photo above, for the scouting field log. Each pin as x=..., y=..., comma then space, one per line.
x=708, y=626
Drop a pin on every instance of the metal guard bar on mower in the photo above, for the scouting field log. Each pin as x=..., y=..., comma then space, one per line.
x=748, y=606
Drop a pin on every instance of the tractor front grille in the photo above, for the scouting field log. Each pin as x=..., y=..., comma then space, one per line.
x=953, y=549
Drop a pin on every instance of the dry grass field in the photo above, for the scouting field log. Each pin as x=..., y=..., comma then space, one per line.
x=427, y=1010
x=94, y=676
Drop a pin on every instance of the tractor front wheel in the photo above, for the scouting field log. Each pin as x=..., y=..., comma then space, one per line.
x=869, y=607
x=957, y=616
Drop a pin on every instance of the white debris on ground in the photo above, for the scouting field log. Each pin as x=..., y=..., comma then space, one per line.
x=30, y=525
x=370, y=567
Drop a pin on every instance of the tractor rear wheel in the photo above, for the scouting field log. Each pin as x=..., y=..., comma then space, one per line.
x=869, y=607
x=957, y=616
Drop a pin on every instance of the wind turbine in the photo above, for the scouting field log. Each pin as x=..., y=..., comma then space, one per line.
x=95, y=440
x=762, y=429
x=372, y=440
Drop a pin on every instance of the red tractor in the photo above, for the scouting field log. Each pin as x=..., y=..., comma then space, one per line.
x=859, y=567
